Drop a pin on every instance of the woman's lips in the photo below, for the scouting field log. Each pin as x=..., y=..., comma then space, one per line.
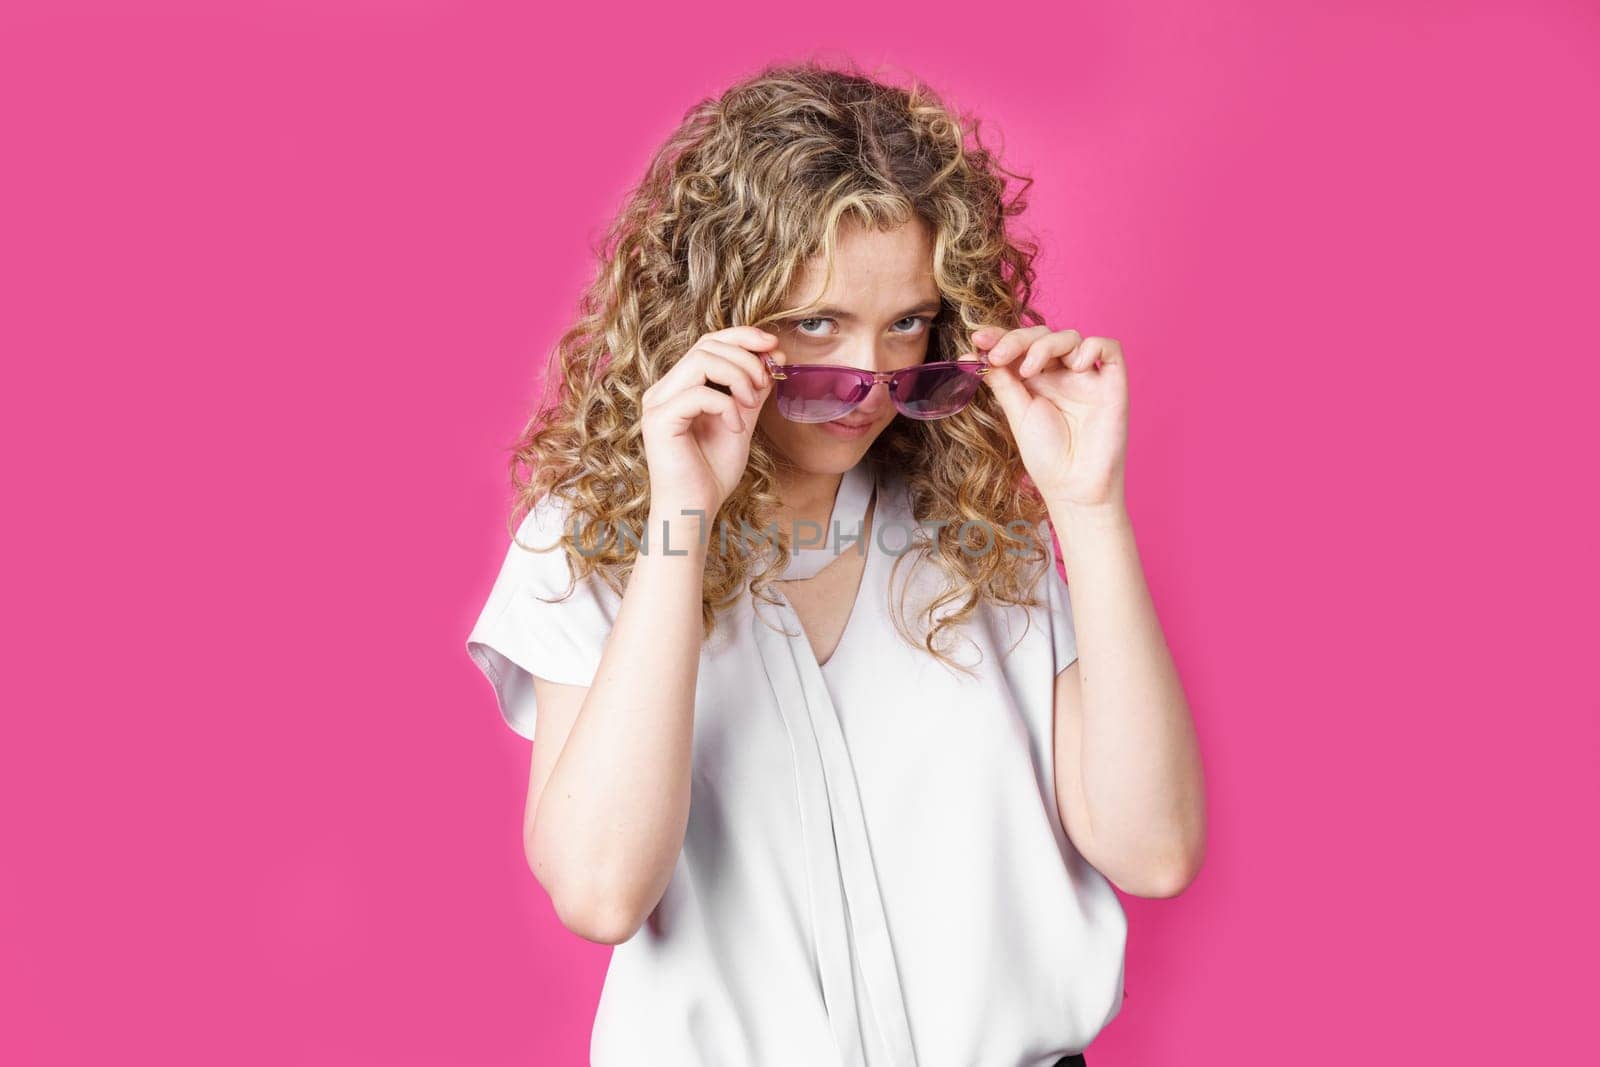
x=840, y=428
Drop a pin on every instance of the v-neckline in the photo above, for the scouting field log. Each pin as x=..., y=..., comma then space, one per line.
x=868, y=530
x=851, y=620
x=851, y=498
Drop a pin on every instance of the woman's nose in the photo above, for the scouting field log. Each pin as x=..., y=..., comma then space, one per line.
x=877, y=399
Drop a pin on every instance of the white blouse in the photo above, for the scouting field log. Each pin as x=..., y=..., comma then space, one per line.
x=874, y=871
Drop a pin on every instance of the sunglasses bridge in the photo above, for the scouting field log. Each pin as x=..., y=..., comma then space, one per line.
x=876, y=375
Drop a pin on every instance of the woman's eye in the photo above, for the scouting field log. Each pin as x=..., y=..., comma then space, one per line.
x=917, y=325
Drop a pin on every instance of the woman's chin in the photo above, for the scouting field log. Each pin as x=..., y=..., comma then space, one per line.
x=824, y=447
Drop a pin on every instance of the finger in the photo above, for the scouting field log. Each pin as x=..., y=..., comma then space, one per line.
x=1105, y=351
x=680, y=411
x=699, y=365
x=751, y=337
x=740, y=361
x=1009, y=391
x=1050, y=346
x=984, y=337
x=720, y=373
x=1012, y=343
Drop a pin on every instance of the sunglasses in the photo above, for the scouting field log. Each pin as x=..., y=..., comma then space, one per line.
x=815, y=392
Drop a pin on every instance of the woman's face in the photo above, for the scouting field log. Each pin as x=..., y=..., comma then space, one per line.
x=875, y=314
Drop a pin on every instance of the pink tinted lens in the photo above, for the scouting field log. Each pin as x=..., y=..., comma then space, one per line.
x=817, y=394
x=933, y=392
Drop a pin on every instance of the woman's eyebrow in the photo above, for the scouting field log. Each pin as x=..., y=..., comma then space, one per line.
x=931, y=306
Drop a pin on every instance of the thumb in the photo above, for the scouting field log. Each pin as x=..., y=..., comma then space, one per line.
x=1012, y=395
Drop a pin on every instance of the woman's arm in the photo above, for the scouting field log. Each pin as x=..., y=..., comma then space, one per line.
x=1128, y=777
x=608, y=800
x=604, y=832
x=1129, y=784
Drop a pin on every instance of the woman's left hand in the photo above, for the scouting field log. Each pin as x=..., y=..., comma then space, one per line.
x=1066, y=398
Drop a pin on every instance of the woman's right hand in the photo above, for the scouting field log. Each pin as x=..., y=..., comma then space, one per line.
x=696, y=438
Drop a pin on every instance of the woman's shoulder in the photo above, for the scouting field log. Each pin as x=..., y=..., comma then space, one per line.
x=555, y=522
x=550, y=542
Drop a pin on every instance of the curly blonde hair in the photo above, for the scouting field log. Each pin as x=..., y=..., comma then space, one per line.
x=751, y=186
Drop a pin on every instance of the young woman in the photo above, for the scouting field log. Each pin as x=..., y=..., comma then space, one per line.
x=861, y=799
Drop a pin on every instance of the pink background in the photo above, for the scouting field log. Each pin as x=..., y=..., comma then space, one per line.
x=276, y=278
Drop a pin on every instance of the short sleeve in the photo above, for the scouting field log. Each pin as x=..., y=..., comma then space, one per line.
x=1062, y=634
x=525, y=630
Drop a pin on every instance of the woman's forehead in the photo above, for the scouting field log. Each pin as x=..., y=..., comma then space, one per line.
x=874, y=272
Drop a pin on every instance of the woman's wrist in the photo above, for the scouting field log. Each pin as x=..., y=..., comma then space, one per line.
x=1067, y=516
x=672, y=530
